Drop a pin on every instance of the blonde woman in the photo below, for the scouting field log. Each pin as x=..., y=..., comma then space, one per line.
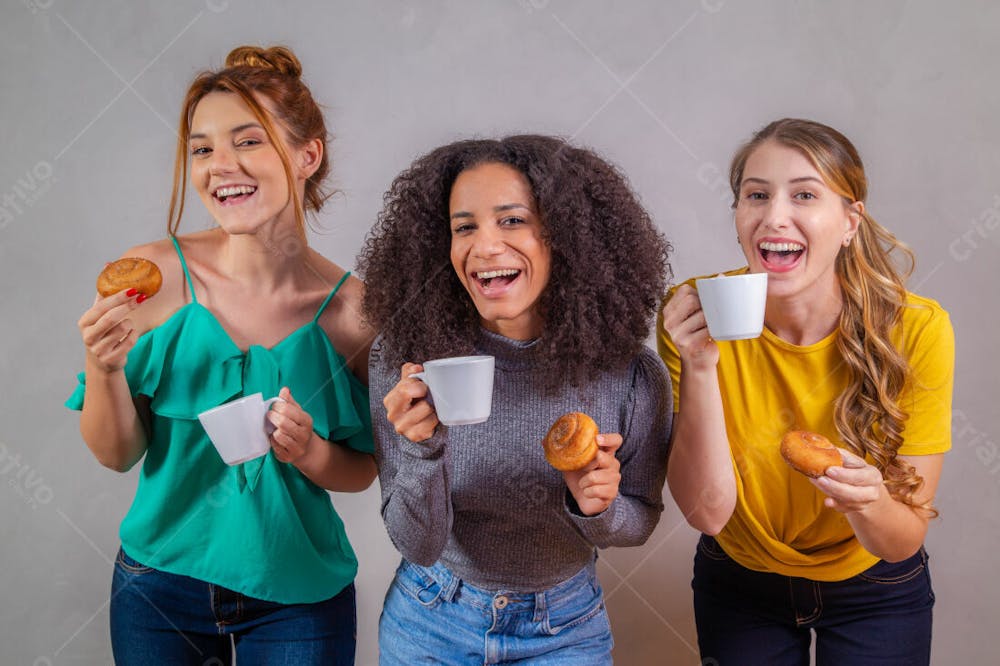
x=846, y=352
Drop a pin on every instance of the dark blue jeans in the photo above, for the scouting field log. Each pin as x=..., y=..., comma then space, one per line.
x=163, y=618
x=881, y=616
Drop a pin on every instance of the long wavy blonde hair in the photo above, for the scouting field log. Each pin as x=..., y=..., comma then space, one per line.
x=867, y=413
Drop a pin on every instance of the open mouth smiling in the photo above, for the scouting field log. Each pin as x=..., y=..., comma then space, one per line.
x=233, y=193
x=495, y=279
x=780, y=254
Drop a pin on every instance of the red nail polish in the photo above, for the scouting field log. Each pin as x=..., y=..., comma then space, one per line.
x=140, y=298
x=131, y=292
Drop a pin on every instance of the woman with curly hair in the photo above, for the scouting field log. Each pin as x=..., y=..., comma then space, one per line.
x=537, y=253
x=846, y=352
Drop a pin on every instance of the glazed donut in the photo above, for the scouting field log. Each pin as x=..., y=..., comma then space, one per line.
x=571, y=443
x=809, y=452
x=129, y=272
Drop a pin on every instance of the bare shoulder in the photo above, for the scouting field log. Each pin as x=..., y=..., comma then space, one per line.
x=342, y=319
x=173, y=293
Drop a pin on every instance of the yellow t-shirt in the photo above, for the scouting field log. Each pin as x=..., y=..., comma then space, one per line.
x=769, y=387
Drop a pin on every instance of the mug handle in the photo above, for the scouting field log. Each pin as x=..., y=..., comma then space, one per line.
x=422, y=376
x=268, y=426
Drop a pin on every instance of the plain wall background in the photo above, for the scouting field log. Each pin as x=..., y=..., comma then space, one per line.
x=666, y=89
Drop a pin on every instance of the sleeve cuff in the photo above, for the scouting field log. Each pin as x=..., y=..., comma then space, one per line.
x=599, y=527
x=429, y=449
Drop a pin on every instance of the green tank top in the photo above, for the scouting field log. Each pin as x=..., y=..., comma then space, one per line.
x=261, y=528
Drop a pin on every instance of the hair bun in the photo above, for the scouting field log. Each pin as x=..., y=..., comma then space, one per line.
x=278, y=58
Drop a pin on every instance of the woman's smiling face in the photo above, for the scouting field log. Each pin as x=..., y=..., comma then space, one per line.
x=790, y=224
x=498, y=249
x=235, y=168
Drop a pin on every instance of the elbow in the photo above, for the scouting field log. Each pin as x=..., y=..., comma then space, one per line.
x=363, y=479
x=421, y=558
x=116, y=459
x=423, y=554
x=371, y=473
x=899, y=553
x=115, y=463
x=640, y=536
x=637, y=540
x=709, y=528
x=418, y=541
x=711, y=521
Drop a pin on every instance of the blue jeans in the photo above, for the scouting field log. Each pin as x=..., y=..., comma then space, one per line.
x=163, y=618
x=881, y=616
x=432, y=617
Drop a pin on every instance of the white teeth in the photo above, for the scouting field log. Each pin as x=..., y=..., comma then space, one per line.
x=233, y=190
x=503, y=272
x=782, y=247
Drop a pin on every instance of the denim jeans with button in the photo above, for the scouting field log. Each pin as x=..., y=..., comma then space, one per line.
x=163, y=618
x=881, y=616
x=431, y=616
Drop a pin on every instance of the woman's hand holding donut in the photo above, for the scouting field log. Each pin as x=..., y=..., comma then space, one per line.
x=684, y=321
x=853, y=487
x=407, y=408
x=595, y=486
x=107, y=331
x=293, y=428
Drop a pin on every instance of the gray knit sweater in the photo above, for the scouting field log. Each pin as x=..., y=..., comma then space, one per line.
x=482, y=500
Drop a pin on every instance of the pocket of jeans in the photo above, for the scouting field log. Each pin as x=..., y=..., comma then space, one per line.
x=894, y=573
x=131, y=566
x=417, y=582
x=711, y=549
x=582, y=604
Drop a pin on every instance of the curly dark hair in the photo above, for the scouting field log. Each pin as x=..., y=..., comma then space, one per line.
x=609, y=262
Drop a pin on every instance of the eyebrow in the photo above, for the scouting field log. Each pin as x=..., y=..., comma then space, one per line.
x=802, y=179
x=235, y=130
x=496, y=209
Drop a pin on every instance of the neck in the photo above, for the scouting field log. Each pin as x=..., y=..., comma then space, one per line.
x=803, y=321
x=263, y=259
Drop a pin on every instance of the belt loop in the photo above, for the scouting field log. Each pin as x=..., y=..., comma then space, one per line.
x=448, y=589
x=541, y=606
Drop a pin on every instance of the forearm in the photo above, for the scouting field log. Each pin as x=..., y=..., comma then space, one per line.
x=416, y=499
x=889, y=529
x=627, y=522
x=109, y=422
x=700, y=470
x=336, y=467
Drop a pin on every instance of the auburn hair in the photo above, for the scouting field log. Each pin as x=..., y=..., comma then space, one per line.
x=259, y=76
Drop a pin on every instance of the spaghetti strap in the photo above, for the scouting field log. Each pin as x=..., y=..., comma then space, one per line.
x=330, y=296
x=184, y=266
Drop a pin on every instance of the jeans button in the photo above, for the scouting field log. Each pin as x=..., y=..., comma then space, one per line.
x=500, y=602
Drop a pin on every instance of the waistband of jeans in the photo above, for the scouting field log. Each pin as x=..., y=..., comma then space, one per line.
x=485, y=598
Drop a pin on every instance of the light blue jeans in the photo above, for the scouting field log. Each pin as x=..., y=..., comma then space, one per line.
x=430, y=616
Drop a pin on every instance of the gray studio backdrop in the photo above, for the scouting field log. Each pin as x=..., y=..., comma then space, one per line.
x=90, y=94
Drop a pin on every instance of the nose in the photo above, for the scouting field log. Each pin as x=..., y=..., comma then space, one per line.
x=777, y=215
x=487, y=242
x=221, y=161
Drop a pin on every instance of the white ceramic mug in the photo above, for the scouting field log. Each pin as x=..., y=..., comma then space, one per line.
x=733, y=305
x=239, y=429
x=461, y=388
